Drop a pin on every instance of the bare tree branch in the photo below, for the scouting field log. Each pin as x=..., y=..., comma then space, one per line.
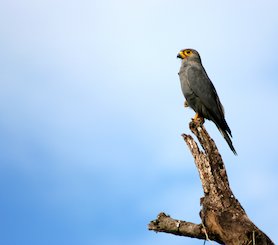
x=223, y=218
x=164, y=223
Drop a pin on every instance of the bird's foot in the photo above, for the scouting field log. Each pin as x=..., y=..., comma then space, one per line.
x=198, y=119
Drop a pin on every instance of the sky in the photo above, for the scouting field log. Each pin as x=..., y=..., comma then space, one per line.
x=91, y=116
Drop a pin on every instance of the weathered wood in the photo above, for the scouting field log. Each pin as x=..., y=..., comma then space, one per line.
x=223, y=218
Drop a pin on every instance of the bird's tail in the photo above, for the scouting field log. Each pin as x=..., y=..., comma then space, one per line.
x=228, y=139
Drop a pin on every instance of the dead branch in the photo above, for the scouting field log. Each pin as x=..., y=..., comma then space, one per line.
x=223, y=218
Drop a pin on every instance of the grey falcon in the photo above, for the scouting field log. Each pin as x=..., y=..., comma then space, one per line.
x=200, y=94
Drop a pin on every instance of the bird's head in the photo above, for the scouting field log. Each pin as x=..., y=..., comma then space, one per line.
x=189, y=54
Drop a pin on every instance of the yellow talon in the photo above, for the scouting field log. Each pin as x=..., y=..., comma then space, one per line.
x=199, y=118
x=196, y=116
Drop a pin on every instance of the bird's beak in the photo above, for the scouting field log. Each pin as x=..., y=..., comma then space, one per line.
x=181, y=55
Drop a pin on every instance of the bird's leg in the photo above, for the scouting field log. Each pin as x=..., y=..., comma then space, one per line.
x=186, y=104
x=198, y=118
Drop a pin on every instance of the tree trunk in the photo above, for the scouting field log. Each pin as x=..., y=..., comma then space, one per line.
x=223, y=218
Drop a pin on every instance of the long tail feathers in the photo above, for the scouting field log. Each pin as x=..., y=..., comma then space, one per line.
x=228, y=139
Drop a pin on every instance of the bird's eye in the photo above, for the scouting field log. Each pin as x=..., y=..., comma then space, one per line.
x=188, y=52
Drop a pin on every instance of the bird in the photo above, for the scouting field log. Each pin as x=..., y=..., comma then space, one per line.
x=200, y=93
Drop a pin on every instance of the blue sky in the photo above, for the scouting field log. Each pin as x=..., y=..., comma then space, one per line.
x=91, y=114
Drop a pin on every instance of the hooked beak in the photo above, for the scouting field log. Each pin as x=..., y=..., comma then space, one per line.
x=181, y=55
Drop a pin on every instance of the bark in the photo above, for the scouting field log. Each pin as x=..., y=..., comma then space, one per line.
x=223, y=219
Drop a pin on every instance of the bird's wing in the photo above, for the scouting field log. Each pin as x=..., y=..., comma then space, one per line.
x=203, y=88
